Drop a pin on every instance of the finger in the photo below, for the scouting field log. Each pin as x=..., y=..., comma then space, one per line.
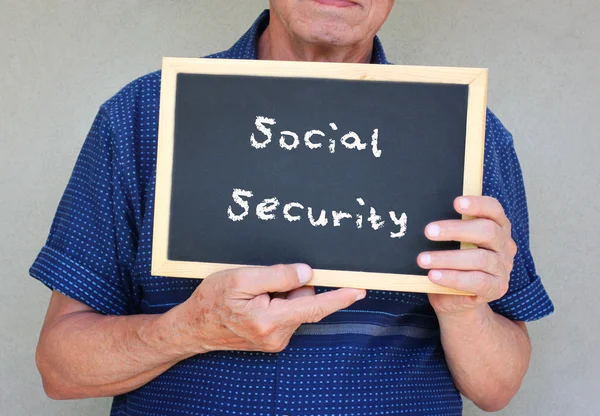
x=314, y=308
x=482, y=207
x=478, y=283
x=481, y=232
x=472, y=259
x=296, y=293
x=279, y=278
x=300, y=292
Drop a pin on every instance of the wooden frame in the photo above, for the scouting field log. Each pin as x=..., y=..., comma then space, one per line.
x=476, y=79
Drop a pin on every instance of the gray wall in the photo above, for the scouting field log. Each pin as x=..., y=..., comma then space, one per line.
x=61, y=59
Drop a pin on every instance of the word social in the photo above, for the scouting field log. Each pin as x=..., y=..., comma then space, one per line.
x=290, y=140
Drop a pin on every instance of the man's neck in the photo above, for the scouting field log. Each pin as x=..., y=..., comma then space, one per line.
x=277, y=43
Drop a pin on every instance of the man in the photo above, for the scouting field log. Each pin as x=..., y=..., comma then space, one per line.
x=258, y=341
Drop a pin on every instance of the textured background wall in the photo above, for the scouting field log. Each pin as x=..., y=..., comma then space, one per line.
x=61, y=59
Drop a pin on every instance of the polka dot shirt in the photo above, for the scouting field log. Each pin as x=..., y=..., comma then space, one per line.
x=382, y=356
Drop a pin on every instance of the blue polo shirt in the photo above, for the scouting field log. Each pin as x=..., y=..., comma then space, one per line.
x=382, y=356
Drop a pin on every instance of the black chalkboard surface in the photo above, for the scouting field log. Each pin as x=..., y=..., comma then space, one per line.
x=339, y=166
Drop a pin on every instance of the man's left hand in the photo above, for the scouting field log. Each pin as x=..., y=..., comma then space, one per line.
x=483, y=271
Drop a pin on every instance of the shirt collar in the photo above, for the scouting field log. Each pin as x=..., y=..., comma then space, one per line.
x=247, y=46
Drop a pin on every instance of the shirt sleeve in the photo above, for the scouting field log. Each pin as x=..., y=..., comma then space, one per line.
x=526, y=299
x=86, y=255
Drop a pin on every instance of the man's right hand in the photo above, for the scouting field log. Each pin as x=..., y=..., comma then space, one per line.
x=82, y=352
x=252, y=309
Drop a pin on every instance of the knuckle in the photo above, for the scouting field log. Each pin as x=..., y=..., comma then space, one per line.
x=500, y=208
x=233, y=281
x=495, y=204
x=509, y=228
x=263, y=329
x=282, y=270
x=512, y=248
x=490, y=230
x=278, y=269
x=509, y=255
x=452, y=275
x=485, y=286
x=214, y=281
x=482, y=259
x=315, y=314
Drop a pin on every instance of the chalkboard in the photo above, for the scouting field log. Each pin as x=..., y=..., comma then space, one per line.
x=340, y=166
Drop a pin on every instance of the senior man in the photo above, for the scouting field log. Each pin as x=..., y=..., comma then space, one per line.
x=257, y=341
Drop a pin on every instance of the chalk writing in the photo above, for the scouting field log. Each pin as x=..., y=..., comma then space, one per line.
x=292, y=212
x=313, y=139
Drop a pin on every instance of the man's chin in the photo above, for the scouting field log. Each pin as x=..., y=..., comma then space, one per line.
x=331, y=33
x=329, y=25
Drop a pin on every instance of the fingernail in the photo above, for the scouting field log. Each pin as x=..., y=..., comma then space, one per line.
x=464, y=202
x=361, y=295
x=435, y=275
x=433, y=230
x=425, y=259
x=304, y=273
